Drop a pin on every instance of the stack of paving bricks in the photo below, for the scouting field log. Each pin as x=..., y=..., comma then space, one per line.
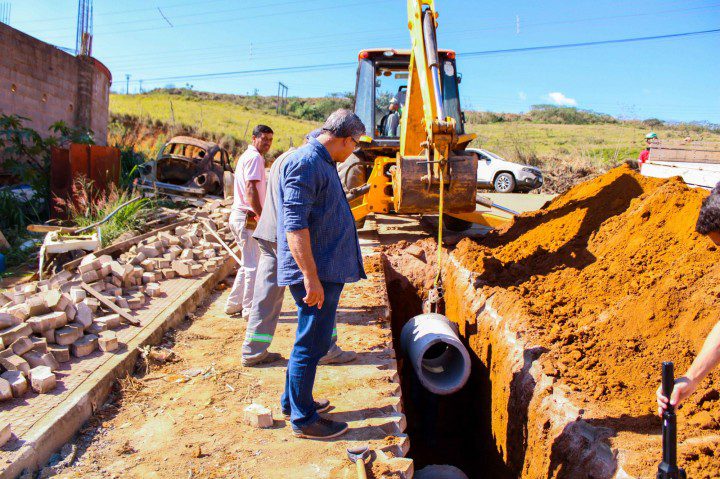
x=43, y=324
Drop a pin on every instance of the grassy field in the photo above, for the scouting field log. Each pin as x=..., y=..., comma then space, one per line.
x=219, y=117
x=595, y=146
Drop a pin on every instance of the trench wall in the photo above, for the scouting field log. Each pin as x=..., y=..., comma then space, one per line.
x=536, y=429
x=46, y=85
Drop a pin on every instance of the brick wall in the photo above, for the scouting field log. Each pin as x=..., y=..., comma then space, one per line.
x=45, y=84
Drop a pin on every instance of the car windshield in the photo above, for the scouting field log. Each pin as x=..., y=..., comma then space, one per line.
x=491, y=155
x=182, y=149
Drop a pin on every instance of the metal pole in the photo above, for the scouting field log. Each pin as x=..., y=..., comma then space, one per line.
x=127, y=83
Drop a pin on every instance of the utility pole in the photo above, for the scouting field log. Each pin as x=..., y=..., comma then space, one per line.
x=84, y=35
x=141, y=90
x=281, y=98
x=127, y=83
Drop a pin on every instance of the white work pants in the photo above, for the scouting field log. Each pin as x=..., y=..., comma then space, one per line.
x=242, y=290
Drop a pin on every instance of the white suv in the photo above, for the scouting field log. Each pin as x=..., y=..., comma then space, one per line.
x=505, y=176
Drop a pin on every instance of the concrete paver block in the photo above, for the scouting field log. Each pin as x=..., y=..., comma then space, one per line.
x=7, y=320
x=36, y=305
x=153, y=289
x=11, y=334
x=52, y=320
x=107, y=340
x=18, y=383
x=84, y=315
x=258, y=415
x=67, y=335
x=15, y=363
x=22, y=345
x=42, y=379
x=77, y=294
x=111, y=321
x=90, y=276
x=61, y=353
x=39, y=344
x=5, y=433
x=5, y=390
x=84, y=346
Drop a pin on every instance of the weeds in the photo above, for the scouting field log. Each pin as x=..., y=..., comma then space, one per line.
x=88, y=206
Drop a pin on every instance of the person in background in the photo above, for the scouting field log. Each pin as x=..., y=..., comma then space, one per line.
x=268, y=295
x=391, y=120
x=708, y=223
x=645, y=154
x=249, y=196
x=318, y=253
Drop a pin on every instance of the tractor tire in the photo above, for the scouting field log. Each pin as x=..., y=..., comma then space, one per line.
x=228, y=184
x=456, y=224
x=353, y=173
x=504, y=183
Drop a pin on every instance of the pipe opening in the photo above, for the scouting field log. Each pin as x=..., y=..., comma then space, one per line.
x=443, y=366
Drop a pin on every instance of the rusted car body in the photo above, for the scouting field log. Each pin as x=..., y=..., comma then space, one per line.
x=189, y=166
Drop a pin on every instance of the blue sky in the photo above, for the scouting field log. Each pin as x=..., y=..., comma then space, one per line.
x=672, y=79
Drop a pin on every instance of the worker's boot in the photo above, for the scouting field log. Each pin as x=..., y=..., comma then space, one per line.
x=264, y=359
x=320, y=406
x=321, y=429
x=339, y=357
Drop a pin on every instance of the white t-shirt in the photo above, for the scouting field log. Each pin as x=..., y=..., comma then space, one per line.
x=250, y=167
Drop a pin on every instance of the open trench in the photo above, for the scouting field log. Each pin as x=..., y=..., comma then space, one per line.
x=506, y=421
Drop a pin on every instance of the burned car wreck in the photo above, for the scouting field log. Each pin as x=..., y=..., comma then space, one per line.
x=189, y=166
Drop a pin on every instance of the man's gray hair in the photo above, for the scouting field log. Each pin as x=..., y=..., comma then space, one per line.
x=343, y=123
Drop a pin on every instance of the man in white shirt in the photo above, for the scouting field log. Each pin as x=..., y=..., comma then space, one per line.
x=249, y=197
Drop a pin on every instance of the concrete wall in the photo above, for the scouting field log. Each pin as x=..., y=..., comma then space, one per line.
x=41, y=82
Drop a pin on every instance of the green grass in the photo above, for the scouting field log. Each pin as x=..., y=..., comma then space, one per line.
x=218, y=116
x=603, y=144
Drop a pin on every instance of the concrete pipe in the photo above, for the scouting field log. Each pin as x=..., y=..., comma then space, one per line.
x=440, y=360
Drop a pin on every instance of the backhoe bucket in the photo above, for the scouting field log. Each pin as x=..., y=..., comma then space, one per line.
x=413, y=195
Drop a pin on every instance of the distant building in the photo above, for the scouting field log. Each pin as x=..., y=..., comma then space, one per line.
x=45, y=84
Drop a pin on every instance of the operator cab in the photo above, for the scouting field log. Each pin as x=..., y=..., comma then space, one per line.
x=381, y=90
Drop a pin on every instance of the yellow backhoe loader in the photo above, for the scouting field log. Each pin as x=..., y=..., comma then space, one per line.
x=413, y=160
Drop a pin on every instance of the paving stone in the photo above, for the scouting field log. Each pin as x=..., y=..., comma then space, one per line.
x=84, y=346
x=98, y=286
x=187, y=254
x=148, y=265
x=183, y=268
x=148, y=251
x=48, y=359
x=71, y=312
x=168, y=273
x=49, y=335
x=47, y=321
x=196, y=269
x=84, y=315
x=5, y=390
x=15, y=363
x=34, y=359
x=36, y=305
x=258, y=416
x=61, y=353
x=122, y=302
x=42, y=379
x=63, y=302
x=111, y=321
x=90, y=276
x=5, y=433
x=162, y=263
x=77, y=294
x=52, y=299
x=11, y=334
x=93, y=303
x=39, y=345
x=139, y=258
x=135, y=303
x=88, y=263
x=7, y=320
x=21, y=345
x=18, y=383
x=153, y=290
x=68, y=335
x=107, y=340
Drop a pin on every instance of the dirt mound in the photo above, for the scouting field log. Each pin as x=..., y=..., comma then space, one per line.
x=613, y=279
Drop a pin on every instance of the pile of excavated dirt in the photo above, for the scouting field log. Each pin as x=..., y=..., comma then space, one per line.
x=612, y=279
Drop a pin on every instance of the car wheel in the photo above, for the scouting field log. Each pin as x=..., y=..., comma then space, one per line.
x=504, y=183
x=228, y=184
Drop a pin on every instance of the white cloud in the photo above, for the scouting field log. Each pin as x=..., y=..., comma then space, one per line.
x=560, y=99
x=522, y=95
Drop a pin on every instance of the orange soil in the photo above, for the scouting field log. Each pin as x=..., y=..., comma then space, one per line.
x=613, y=279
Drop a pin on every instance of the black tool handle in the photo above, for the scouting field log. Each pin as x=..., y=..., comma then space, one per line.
x=668, y=468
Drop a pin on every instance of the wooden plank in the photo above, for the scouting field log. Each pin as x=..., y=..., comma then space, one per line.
x=220, y=240
x=109, y=304
x=123, y=245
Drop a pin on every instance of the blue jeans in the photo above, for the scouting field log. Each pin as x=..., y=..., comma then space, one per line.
x=312, y=341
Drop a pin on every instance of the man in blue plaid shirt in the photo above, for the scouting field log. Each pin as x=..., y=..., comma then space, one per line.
x=318, y=252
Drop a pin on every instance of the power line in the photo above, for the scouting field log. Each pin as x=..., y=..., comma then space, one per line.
x=588, y=44
x=328, y=66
